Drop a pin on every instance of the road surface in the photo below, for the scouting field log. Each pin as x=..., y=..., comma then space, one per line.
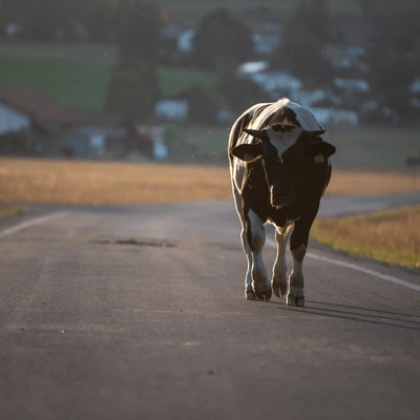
x=139, y=313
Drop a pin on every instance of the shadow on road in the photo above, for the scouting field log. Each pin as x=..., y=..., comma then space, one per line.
x=359, y=314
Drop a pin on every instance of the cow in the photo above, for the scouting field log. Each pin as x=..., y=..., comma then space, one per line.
x=280, y=168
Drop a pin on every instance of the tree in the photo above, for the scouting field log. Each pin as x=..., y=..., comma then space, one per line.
x=303, y=55
x=137, y=29
x=10, y=12
x=42, y=19
x=392, y=22
x=318, y=21
x=302, y=48
x=392, y=50
x=133, y=90
x=99, y=21
x=241, y=93
x=201, y=105
x=219, y=39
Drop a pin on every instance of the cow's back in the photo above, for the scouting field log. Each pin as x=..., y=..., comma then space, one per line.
x=246, y=120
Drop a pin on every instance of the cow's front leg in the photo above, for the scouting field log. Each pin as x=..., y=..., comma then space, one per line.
x=249, y=293
x=261, y=285
x=295, y=295
x=298, y=247
x=279, y=279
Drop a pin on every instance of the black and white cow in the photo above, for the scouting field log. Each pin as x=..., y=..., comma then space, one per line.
x=280, y=168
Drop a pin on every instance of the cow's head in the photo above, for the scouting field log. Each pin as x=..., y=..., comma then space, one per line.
x=287, y=153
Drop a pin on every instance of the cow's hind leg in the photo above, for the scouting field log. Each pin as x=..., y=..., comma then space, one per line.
x=261, y=285
x=279, y=279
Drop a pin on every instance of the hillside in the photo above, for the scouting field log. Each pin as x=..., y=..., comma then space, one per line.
x=195, y=8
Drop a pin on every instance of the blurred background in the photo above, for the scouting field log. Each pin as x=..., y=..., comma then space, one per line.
x=165, y=80
x=127, y=79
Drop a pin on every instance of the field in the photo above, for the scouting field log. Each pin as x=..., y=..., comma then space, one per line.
x=359, y=148
x=391, y=236
x=87, y=52
x=82, y=84
x=67, y=182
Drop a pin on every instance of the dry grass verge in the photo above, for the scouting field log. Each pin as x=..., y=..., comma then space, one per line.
x=11, y=211
x=391, y=236
x=67, y=182
x=84, y=182
x=373, y=183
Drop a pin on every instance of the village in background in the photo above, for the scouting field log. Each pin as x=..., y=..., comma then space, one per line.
x=99, y=79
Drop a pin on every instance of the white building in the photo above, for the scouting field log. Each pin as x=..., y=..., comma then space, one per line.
x=356, y=85
x=11, y=120
x=172, y=110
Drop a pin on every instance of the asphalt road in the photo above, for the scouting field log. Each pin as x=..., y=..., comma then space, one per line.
x=139, y=313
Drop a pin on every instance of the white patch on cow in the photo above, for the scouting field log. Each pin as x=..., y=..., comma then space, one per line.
x=238, y=174
x=279, y=279
x=304, y=116
x=282, y=141
x=247, y=249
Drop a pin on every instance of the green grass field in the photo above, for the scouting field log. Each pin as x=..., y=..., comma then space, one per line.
x=82, y=84
x=11, y=49
x=379, y=148
x=77, y=84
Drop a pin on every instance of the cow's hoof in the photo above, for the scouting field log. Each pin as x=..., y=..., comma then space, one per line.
x=250, y=295
x=264, y=296
x=279, y=290
x=293, y=300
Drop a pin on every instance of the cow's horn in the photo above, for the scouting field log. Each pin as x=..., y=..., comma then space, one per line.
x=312, y=134
x=259, y=134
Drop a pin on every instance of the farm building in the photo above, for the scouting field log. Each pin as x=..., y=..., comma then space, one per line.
x=31, y=123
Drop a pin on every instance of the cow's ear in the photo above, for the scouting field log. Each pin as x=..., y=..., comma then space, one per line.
x=322, y=148
x=248, y=152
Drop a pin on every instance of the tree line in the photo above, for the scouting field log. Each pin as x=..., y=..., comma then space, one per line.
x=221, y=42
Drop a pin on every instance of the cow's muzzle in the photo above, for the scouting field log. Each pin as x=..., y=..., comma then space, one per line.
x=282, y=201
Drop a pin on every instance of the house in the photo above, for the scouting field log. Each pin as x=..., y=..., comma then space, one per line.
x=252, y=67
x=266, y=43
x=317, y=97
x=353, y=85
x=277, y=83
x=185, y=41
x=35, y=124
x=332, y=116
x=347, y=59
x=172, y=109
x=415, y=86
